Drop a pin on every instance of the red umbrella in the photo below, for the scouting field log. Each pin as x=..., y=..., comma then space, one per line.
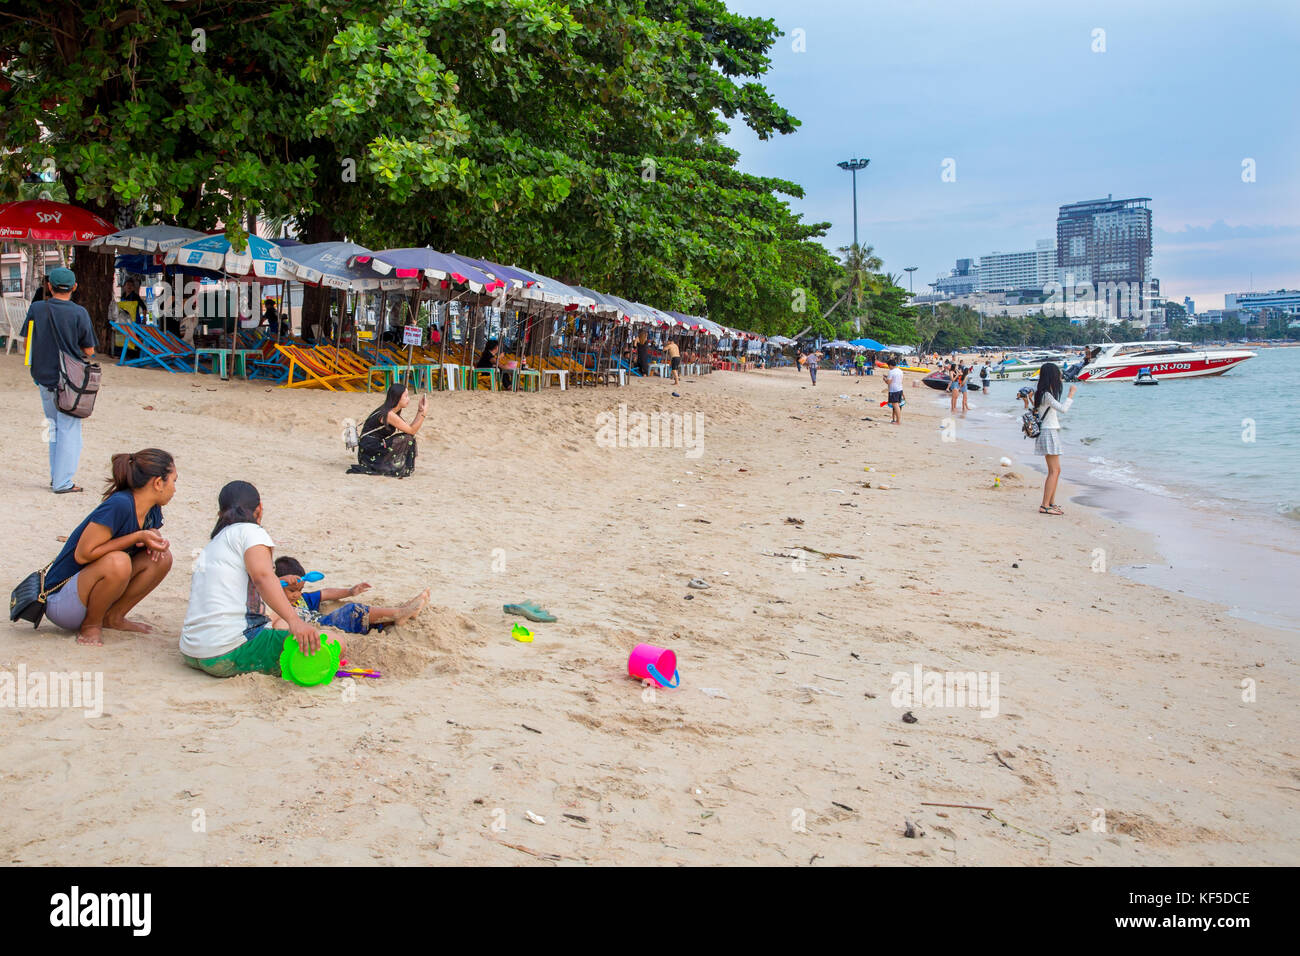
x=40, y=220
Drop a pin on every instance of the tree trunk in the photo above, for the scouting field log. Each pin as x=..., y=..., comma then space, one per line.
x=316, y=299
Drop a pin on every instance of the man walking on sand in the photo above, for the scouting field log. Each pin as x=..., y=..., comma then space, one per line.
x=813, y=358
x=894, y=382
x=57, y=324
x=674, y=356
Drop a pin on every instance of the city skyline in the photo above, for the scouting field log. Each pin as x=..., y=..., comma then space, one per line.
x=1029, y=109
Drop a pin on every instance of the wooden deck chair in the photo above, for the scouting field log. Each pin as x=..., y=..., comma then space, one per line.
x=315, y=373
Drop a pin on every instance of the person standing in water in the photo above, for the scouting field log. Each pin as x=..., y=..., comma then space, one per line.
x=1048, y=407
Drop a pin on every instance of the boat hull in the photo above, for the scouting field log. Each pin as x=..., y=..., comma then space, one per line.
x=1191, y=366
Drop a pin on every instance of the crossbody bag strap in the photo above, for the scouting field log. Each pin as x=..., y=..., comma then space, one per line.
x=46, y=592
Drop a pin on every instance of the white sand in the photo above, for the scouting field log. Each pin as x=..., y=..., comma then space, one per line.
x=1116, y=699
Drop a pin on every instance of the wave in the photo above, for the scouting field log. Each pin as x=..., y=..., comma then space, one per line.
x=1116, y=473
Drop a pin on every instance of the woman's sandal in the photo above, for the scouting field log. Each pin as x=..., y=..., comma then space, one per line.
x=1049, y=510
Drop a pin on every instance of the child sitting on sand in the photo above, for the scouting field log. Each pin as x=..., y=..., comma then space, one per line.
x=353, y=618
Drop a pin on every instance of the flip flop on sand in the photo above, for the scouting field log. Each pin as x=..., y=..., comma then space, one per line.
x=530, y=610
x=68, y=490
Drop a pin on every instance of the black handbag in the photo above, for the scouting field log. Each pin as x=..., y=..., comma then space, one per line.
x=27, y=602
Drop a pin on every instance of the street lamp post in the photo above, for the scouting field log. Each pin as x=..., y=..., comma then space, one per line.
x=909, y=270
x=853, y=165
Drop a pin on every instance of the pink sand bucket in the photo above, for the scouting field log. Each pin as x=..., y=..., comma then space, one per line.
x=651, y=663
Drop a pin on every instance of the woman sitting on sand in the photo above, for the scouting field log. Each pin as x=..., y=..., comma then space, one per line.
x=387, y=443
x=1048, y=407
x=116, y=556
x=225, y=631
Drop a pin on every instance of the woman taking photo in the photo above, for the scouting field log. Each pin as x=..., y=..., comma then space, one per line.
x=386, y=445
x=116, y=556
x=1049, y=407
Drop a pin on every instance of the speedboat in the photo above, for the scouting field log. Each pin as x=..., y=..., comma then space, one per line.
x=1026, y=366
x=1122, y=361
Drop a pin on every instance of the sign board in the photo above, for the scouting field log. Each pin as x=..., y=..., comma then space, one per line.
x=454, y=308
x=412, y=335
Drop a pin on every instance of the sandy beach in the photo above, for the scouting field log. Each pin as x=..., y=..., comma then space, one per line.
x=1119, y=735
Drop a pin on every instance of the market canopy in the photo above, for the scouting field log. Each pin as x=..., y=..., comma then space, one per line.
x=871, y=344
x=42, y=220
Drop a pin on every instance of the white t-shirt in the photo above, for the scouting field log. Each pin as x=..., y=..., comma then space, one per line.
x=225, y=608
x=895, y=378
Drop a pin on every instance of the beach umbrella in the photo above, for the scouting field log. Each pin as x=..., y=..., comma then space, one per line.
x=260, y=259
x=335, y=265
x=42, y=220
x=38, y=221
x=870, y=344
x=157, y=238
x=411, y=263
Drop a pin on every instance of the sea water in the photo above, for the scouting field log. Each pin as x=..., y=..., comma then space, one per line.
x=1210, y=465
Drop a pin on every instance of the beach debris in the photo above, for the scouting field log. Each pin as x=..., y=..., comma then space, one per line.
x=1015, y=564
x=534, y=818
x=61, y=537
x=956, y=806
x=521, y=634
x=909, y=718
x=824, y=554
x=702, y=520
x=811, y=689
x=837, y=491
x=843, y=807
x=533, y=729
x=677, y=395
x=146, y=408
x=690, y=597
x=698, y=584
x=911, y=831
x=574, y=816
x=1003, y=762
x=798, y=521
x=1005, y=462
x=714, y=692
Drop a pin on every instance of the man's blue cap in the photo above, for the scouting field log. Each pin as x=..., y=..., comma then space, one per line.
x=61, y=279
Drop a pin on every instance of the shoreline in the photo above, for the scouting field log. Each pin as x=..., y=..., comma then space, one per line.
x=1224, y=558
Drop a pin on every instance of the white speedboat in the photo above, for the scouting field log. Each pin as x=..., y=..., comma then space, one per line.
x=1122, y=361
x=1026, y=366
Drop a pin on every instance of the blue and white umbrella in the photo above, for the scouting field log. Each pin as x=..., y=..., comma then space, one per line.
x=261, y=258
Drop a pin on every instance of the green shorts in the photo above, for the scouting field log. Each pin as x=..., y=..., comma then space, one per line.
x=259, y=653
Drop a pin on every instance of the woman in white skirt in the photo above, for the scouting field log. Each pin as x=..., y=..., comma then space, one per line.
x=1049, y=407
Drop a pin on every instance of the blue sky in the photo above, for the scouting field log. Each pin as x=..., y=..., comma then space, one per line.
x=1013, y=92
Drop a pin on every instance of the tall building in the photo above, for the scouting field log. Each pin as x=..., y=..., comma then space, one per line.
x=1013, y=271
x=1107, y=242
x=963, y=280
x=1189, y=306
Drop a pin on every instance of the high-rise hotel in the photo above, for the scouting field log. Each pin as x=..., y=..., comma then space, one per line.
x=1106, y=242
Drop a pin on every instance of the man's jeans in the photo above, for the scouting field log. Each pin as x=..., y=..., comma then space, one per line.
x=63, y=434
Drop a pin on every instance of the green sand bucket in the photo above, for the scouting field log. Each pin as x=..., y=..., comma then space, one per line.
x=320, y=668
